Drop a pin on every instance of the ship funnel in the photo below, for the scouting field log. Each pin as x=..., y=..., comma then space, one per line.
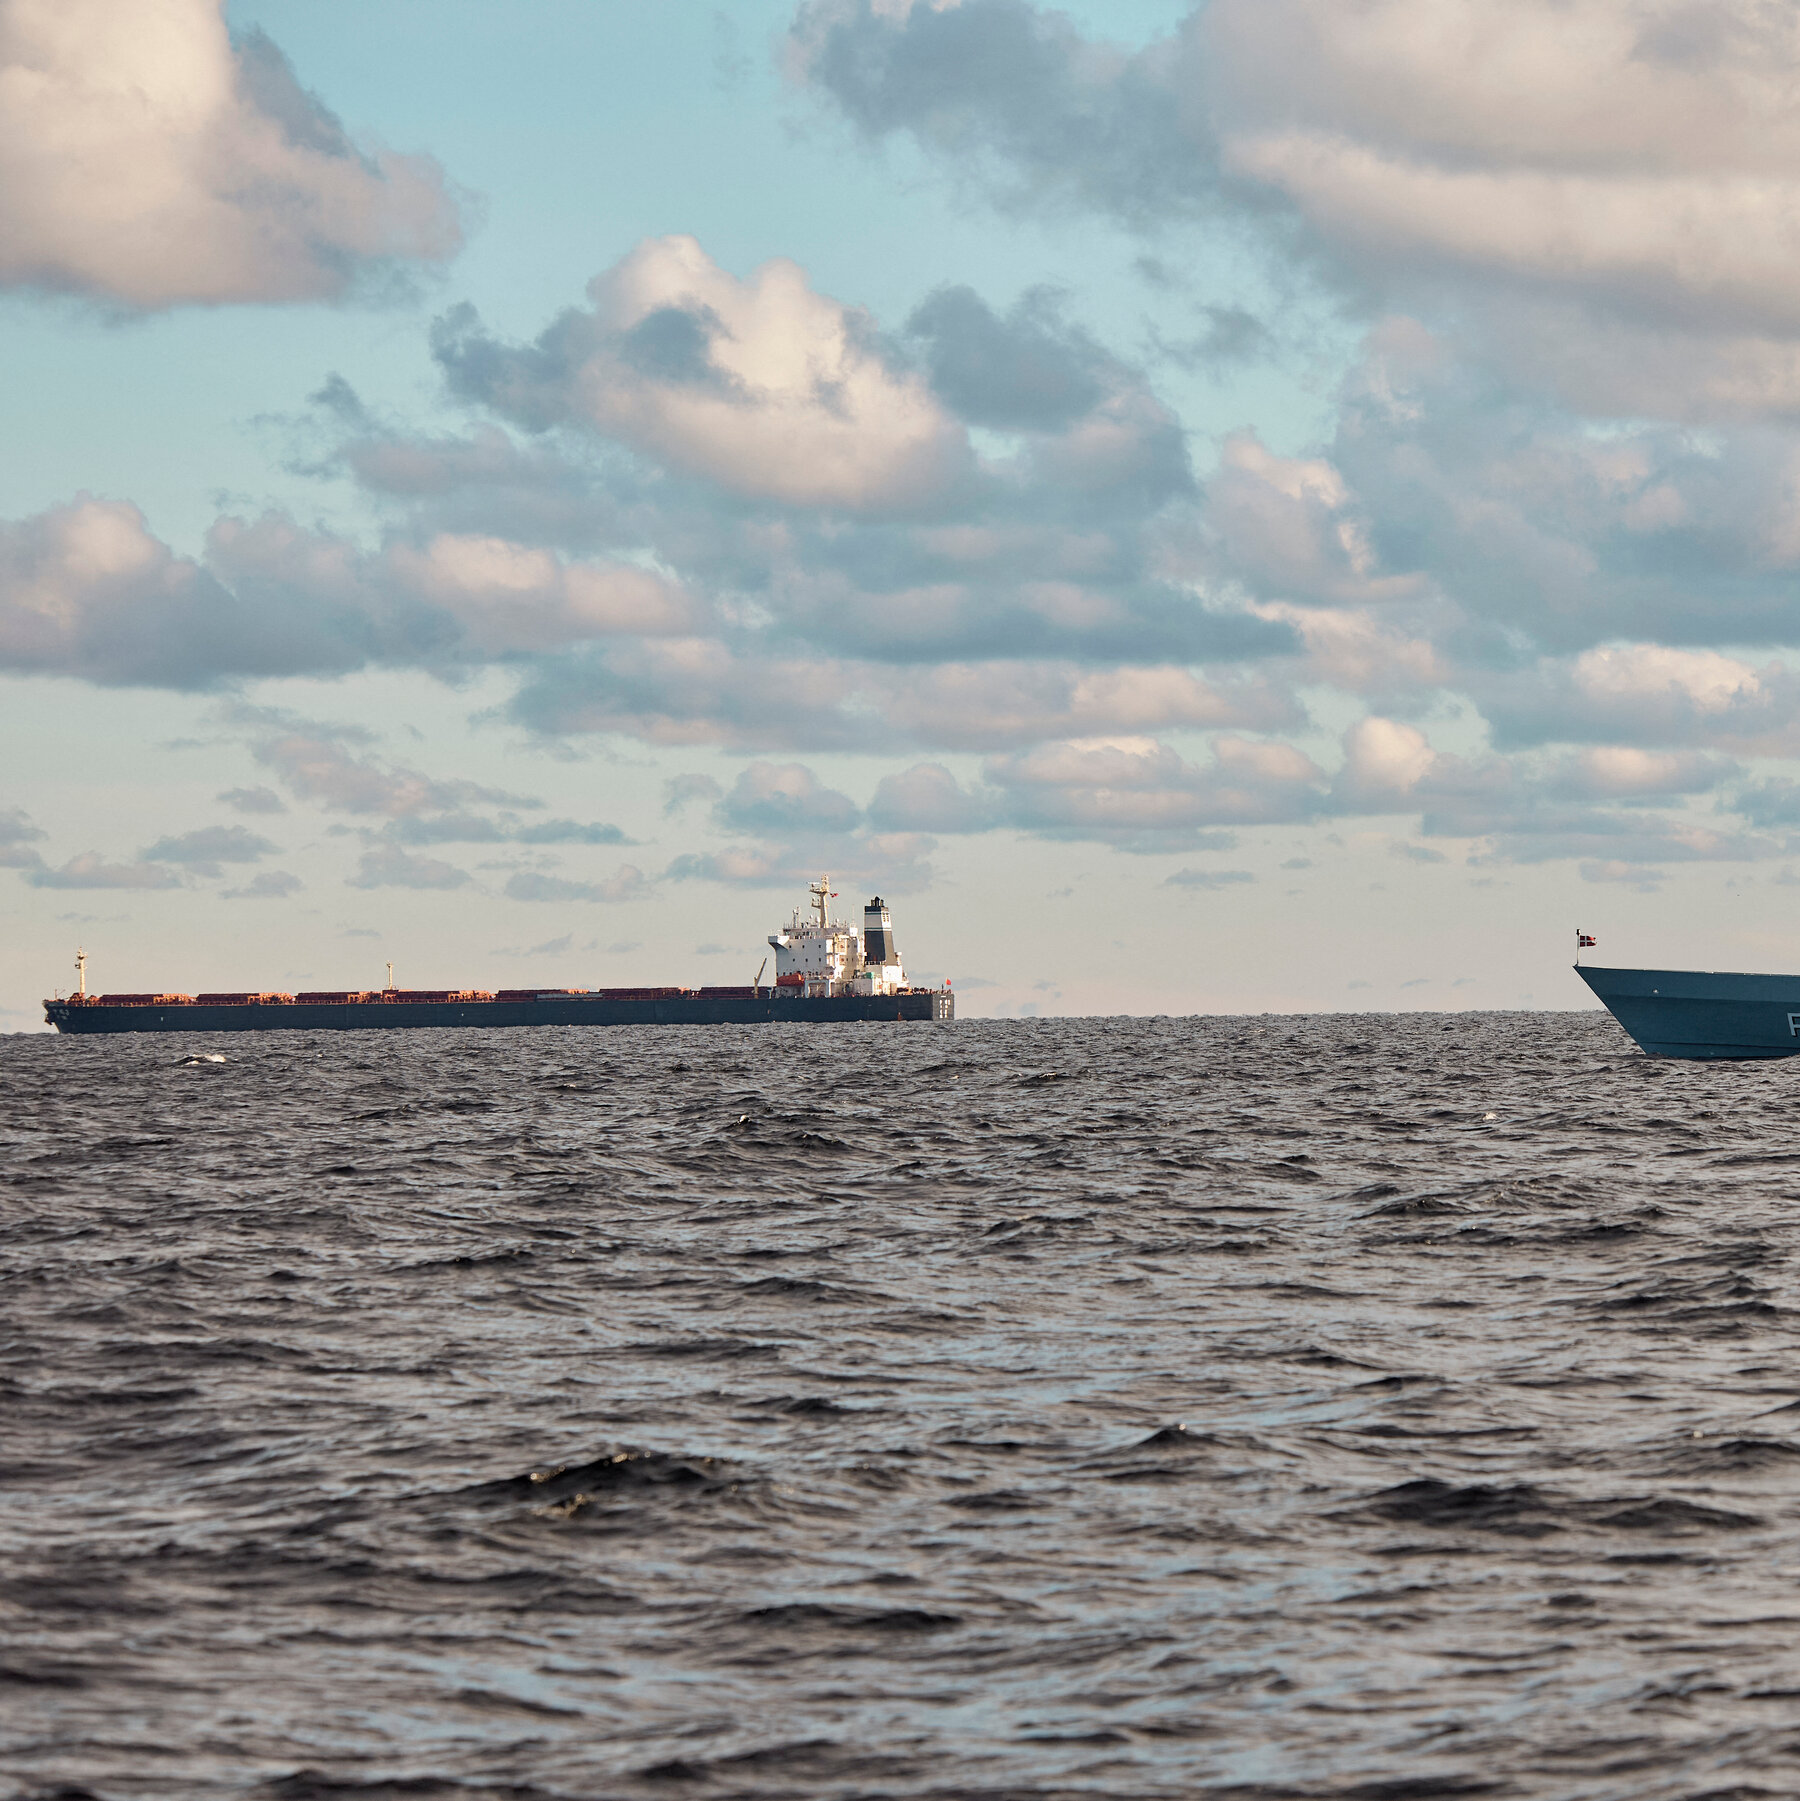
x=878, y=934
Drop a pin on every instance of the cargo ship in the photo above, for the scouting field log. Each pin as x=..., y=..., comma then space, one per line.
x=825, y=972
x=1701, y=1013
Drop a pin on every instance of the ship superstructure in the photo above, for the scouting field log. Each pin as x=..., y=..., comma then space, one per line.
x=825, y=971
x=823, y=957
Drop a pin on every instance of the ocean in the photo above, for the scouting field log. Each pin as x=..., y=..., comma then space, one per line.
x=1371, y=1406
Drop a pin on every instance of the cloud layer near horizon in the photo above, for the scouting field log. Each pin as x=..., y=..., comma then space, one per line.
x=1557, y=511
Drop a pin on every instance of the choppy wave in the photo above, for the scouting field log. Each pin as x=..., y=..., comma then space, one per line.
x=1344, y=1407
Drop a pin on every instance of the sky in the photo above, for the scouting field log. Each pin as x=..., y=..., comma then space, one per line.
x=1260, y=506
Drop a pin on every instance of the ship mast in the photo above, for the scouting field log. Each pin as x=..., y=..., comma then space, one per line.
x=821, y=893
x=81, y=971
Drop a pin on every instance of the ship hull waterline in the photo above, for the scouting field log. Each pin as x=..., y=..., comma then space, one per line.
x=934, y=1004
x=1712, y=1015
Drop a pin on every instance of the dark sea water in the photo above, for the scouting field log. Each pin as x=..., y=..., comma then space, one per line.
x=1347, y=1406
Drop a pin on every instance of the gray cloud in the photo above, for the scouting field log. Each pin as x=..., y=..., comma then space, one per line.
x=253, y=800
x=18, y=833
x=628, y=884
x=312, y=762
x=1028, y=372
x=205, y=850
x=1142, y=796
x=270, y=884
x=388, y=866
x=1012, y=96
x=707, y=692
x=471, y=828
x=91, y=870
x=1620, y=219
x=679, y=790
x=87, y=590
x=1207, y=880
x=886, y=862
x=687, y=364
x=571, y=831
x=782, y=799
x=743, y=866
x=928, y=798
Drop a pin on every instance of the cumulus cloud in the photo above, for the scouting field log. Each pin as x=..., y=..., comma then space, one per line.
x=1141, y=795
x=1029, y=372
x=91, y=870
x=253, y=800
x=888, y=862
x=742, y=866
x=570, y=831
x=762, y=385
x=628, y=884
x=784, y=798
x=270, y=884
x=1011, y=95
x=313, y=763
x=692, y=691
x=16, y=827
x=204, y=851
x=679, y=790
x=388, y=866
x=18, y=833
x=1202, y=881
x=1289, y=528
x=476, y=828
x=148, y=160
x=1607, y=192
x=1645, y=695
x=928, y=798
x=1643, y=153
x=86, y=589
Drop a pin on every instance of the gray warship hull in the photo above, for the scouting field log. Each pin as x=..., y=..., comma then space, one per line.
x=1702, y=1013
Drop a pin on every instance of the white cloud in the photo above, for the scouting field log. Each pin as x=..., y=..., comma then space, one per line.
x=1705, y=680
x=1290, y=529
x=982, y=706
x=512, y=598
x=1384, y=762
x=315, y=766
x=147, y=160
x=761, y=385
x=1141, y=795
x=86, y=589
x=1641, y=151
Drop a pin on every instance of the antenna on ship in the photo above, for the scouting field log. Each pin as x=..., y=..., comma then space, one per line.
x=81, y=971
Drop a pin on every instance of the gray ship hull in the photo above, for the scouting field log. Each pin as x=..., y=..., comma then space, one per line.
x=1702, y=1013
